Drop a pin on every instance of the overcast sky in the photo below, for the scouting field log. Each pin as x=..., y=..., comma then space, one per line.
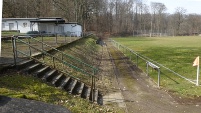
x=192, y=6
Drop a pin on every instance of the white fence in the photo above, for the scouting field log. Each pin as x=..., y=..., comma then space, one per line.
x=138, y=58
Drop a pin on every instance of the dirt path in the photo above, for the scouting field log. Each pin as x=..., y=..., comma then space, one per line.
x=127, y=87
x=138, y=92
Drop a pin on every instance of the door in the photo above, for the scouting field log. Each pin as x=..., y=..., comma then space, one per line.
x=11, y=26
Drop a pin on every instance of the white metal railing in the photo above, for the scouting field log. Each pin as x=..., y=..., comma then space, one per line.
x=145, y=59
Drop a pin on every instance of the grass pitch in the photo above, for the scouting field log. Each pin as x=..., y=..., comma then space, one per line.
x=175, y=53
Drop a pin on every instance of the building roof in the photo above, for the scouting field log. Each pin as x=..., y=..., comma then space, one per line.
x=39, y=20
x=71, y=23
x=49, y=20
x=4, y=19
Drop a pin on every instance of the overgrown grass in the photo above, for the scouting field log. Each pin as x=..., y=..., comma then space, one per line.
x=81, y=52
x=176, y=53
x=24, y=86
x=9, y=33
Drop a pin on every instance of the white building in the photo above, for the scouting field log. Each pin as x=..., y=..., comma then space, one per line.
x=71, y=29
x=45, y=25
x=18, y=24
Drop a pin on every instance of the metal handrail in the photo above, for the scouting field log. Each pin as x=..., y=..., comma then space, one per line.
x=93, y=77
x=46, y=64
x=69, y=56
x=58, y=59
x=146, y=59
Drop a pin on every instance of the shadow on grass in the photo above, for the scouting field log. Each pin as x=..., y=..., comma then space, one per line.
x=170, y=78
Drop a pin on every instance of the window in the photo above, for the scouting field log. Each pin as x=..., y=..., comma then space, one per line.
x=61, y=29
x=3, y=25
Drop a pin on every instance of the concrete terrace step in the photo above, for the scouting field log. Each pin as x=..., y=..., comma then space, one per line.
x=40, y=72
x=78, y=88
x=56, y=78
x=32, y=68
x=81, y=88
x=24, y=64
x=68, y=84
x=49, y=75
x=58, y=81
x=96, y=96
x=100, y=99
x=53, y=76
x=64, y=83
x=86, y=92
x=72, y=86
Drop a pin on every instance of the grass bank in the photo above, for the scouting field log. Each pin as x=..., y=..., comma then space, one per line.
x=14, y=84
x=23, y=86
x=176, y=53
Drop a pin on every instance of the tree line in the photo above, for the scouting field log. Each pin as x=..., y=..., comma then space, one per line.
x=116, y=17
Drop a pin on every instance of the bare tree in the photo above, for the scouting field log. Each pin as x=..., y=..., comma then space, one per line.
x=112, y=16
x=158, y=10
x=179, y=16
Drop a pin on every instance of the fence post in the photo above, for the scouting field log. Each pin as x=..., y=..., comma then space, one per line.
x=62, y=58
x=92, y=92
x=94, y=84
x=29, y=47
x=70, y=37
x=158, y=77
x=42, y=48
x=14, y=49
x=56, y=38
x=16, y=55
x=147, y=69
x=137, y=60
x=65, y=37
x=53, y=62
x=130, y=55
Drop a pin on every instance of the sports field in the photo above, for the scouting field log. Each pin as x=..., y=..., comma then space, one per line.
x=175, y=53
